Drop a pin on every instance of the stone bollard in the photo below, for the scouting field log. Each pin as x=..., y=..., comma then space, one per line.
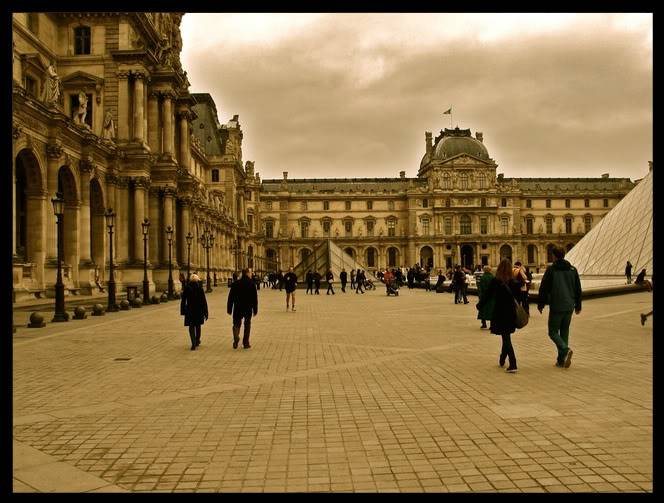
x=155, y=299
x=79, y=313
x=164, y=297
x=98, y=310
x=124, y=305
x=137, y=302
x=36, y=320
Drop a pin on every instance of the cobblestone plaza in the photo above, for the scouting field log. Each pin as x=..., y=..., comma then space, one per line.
x=349, y=393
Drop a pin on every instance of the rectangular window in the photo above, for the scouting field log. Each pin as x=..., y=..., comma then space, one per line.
x=82, y=40
x=588, y=222
x=250, y=222
x=390, y=205
x=303, y=205
x=586, y=203
x=529, y=225
x=215, y=175
x=548, y=203
x=549, y=225
x=348, y=226
x=448, y=202
x=370, y=228
x=269, y=229
x=484, y=225
x=425, y=226
x=326, y=228
x=370, y=205
x=448, y=226
x=425, y=203
x=568, y=225
x=529, y=203
x=268, y=205
x=504, y=225
x=283, y=205
x=304, y=228
x=391, y=228
x=31, y=86
x=483, y=202
x=503, y=202
x=347, y=205
x=606, y=203
x=326, y=205
x=568, y=203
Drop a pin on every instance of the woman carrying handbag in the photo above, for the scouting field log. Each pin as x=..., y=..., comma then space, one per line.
x=193, y=307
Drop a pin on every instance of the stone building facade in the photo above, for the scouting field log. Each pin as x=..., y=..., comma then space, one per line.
x=457, y=210
x=103, y=114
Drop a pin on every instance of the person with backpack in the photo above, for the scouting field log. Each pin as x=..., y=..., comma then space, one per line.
x=329, y=277
x=242, y=303
x=561, y=290
x=503, y=318
x=194, y=308
x=343, y=276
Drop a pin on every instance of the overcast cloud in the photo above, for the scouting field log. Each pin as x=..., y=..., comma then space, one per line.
x=348, y=95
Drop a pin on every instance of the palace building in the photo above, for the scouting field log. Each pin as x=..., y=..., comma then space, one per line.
x=102, y=114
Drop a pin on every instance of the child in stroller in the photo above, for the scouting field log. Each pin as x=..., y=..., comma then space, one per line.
x=391, y=283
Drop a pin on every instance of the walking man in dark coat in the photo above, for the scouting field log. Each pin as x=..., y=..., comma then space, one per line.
x=317, y=282
x=310, y=283
x=193, y=306
x=628, y=272
x=561, y=290
x=329, y=277
x=352, y=279
x=242, y=303
x=359, y=281
x=290, y=282
x=343, y=276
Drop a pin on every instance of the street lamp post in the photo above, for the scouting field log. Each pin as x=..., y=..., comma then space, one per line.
x=59, y=210
x=110, y=222
x=146, y=284
x=207, y=240
x=169, y=235
x=189, y=237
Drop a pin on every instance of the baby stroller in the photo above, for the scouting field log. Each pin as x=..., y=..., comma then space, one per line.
x=392, y=286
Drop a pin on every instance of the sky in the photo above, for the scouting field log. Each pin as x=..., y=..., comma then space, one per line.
x=351, y=95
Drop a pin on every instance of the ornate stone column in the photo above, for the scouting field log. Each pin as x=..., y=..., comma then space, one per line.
x=38, y=204
x=167, y=111
x=139, y=104
x=123, y=105
x=185, y=204
x=153, y=122
x=111, y=189
x=122, y=220
x=71, y=237
x=155, y=248
x=54, y=152
x=185, y=158
x=141, y=186
x=85, y=169
x=169, y=213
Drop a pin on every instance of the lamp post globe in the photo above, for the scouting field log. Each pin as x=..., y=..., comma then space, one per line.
x=145, y=225
x=59, y=210
x=169, y=235
x=109, y=215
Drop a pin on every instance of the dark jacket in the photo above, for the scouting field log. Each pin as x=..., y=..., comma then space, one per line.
x=317, y=279
x=329, y=276
x=343, y=276
x=242, y=298
x=310, y=279
x=486, y=313
x=193, y=305
x=504, y=311
x=628, y=270
x=290, y=280
x=560, y=288
x=459, y=278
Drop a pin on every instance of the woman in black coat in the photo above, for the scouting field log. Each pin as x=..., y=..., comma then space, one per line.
x=193, y=307
x=503, y=321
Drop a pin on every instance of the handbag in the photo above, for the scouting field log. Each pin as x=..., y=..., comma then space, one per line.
x=521, y=319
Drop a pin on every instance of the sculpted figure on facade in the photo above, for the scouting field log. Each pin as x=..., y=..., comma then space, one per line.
x=82, y=111
x=108, y=131
x=53, y=87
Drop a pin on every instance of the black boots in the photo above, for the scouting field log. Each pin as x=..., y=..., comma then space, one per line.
x=236, y=337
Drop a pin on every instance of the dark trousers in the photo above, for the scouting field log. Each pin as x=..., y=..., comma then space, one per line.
x=524, y=301
x=343, y=286
x=330, y=288
x=359, y=287
x=317, y=287
x=559, y=332
x=195, y=334
x=507, y=350
x=237, y=322
x=310, y=288
x=352, y=284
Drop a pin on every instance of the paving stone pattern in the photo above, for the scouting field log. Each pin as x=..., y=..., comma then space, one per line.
x=352, y=392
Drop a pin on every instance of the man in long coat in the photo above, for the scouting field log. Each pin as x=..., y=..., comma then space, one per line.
x=242, y=303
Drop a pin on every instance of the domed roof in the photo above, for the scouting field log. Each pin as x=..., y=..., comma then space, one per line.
x=458, y=141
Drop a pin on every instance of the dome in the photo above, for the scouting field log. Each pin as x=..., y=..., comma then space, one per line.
x=459, y=141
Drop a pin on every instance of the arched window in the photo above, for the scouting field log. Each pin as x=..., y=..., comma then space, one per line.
x=465, y=224
x=371, y=257
x=447, y=181
x=463, y=181
x=482, y=180
x=392, y=254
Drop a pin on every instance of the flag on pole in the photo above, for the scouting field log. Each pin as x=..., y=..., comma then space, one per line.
x=449, y=111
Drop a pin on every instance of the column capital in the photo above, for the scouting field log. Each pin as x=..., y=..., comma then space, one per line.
x=170, y=192
x=185, y=115
x=123, y=182
x=111, y=179
x=54, y=150
x=168, y=95
x=186, y=201
x=142, y=182
x=86, y=166
x=139, y=75
x=122, y=74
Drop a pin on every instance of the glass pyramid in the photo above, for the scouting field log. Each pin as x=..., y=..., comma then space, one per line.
x=326, y=255
x=625, y=233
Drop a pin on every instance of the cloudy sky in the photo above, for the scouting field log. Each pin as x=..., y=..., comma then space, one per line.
x=347, y=95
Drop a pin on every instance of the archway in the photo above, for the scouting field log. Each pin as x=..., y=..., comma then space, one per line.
x=506, y=252
x=28, y=214
x=392, y=257
x=532, y=255
x=271, y=256
x=549, y=252
x=350, y=251
x=467, y=257
x=426, y=257
x=67, y=187
x=371, y=255
x=250, y=257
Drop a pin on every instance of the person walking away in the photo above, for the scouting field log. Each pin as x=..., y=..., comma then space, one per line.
x=526, y=297
x=290, y=282
x=317, y=282
x=359, y=281
x=628, y=272
x=464, y=286
x=352, y=279
x=242, y=304
x=482, y=289
x=194, y=308
x=280, y=280
x=343, y=276
x=310, y=282
x=503, y=318
x=521, y=284
x=330, y=279
x=561, y=290
x=458, y=282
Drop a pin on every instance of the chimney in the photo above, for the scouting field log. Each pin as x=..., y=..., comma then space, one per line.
x=249, y=168
x=402, y=174
x=605, y=175
x=236, y=117
x=649, y=165
x=500, y=177
x=427, y=140
x=285, y=175
x=479, y=136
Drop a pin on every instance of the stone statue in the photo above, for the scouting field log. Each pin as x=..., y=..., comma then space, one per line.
x=79, y=115
x=108, y=133
x=53, y=87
